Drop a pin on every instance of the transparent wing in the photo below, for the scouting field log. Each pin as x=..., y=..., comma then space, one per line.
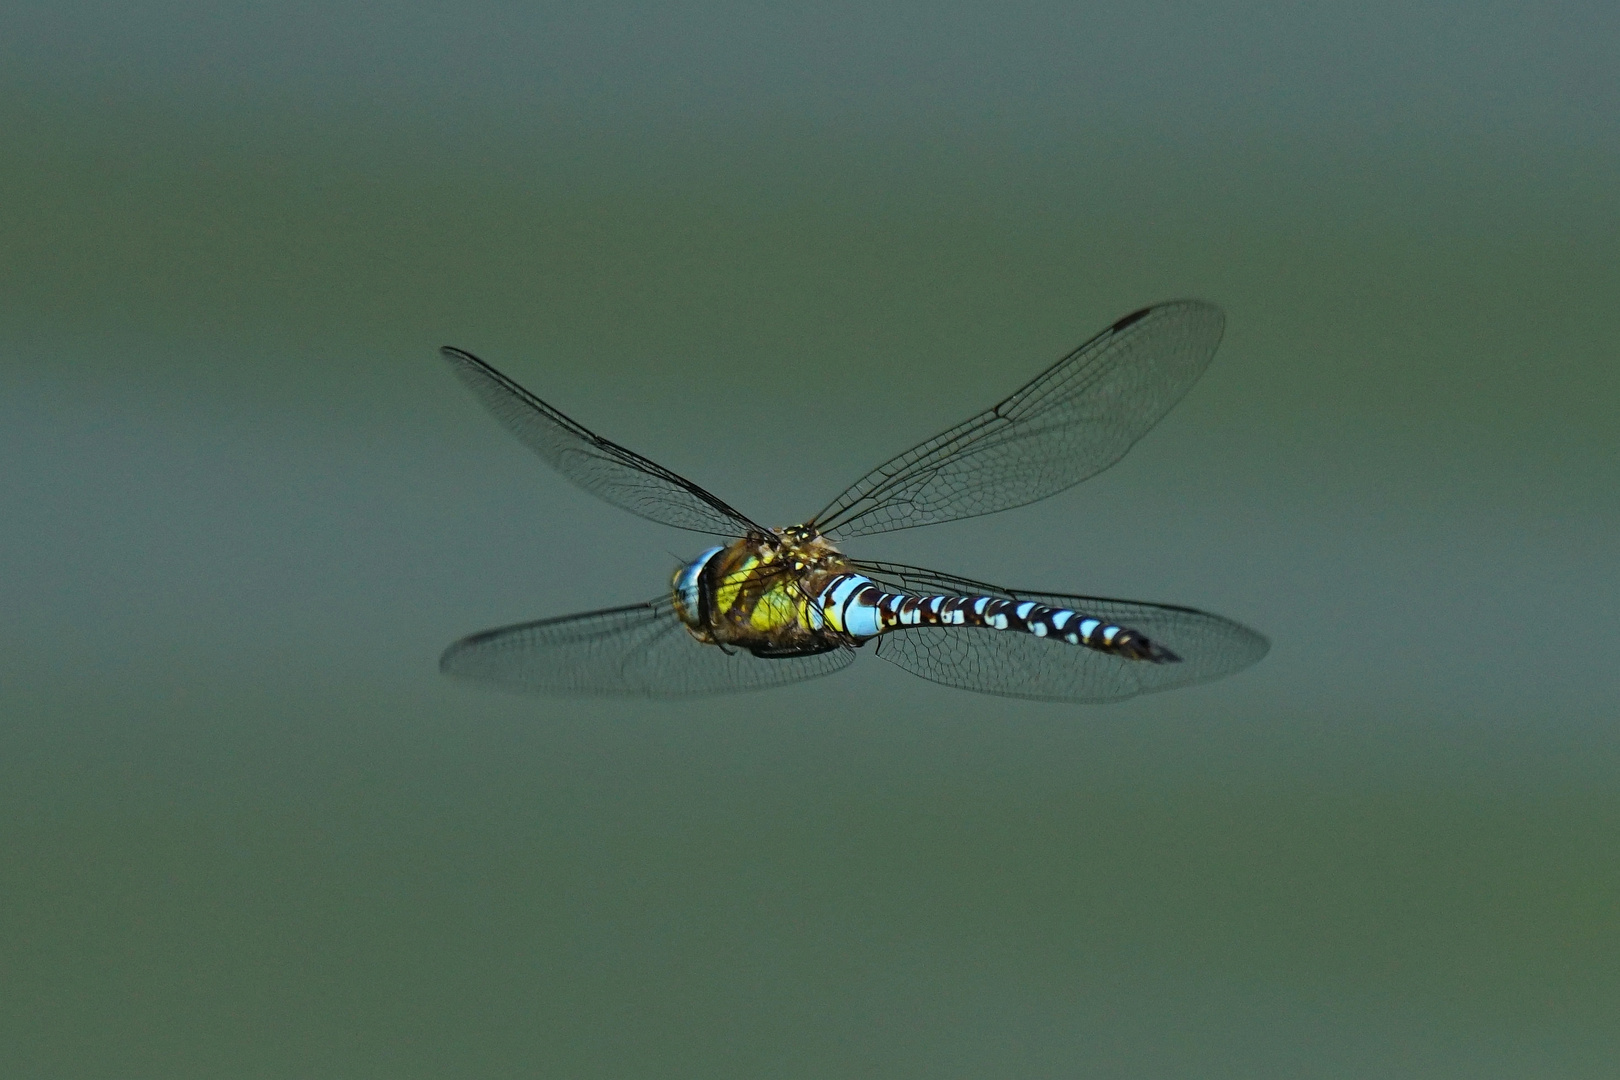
x=1073, y=421
x=1046, y=669
x=600, y=466
x=639, y=650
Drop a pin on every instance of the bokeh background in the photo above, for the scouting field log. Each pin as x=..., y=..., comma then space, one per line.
x=246, y=829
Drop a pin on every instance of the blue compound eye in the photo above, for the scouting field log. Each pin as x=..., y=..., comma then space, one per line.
x=686, y=583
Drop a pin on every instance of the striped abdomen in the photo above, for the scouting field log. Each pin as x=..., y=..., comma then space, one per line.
x=854, y=604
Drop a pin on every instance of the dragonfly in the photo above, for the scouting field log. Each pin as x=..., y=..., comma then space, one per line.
x=771, y=606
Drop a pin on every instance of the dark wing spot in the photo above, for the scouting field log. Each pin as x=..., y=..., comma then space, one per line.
x=1133, y=317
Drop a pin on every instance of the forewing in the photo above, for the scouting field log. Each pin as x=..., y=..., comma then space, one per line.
x=600, y=466
x=642, y=650
x=1048, y=669
x=1073, y=421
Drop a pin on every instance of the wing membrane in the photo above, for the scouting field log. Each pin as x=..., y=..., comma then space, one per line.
x=642, y=650
x=1046, y=669
x=1071, y=422
x=600, y=466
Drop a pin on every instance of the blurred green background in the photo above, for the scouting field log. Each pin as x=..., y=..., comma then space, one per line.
x=246, y=830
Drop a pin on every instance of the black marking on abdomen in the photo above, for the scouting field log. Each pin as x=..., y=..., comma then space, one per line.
x=898, y=612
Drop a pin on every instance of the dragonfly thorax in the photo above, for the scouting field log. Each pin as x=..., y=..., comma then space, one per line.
x=759, y=592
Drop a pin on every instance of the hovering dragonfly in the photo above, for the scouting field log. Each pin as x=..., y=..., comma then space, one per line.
x=774, y=606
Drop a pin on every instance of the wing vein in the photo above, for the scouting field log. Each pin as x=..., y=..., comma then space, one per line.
x=600, y=466
x=1075, y=419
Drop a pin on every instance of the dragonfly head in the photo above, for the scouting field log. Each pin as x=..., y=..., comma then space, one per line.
x=685, y=583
